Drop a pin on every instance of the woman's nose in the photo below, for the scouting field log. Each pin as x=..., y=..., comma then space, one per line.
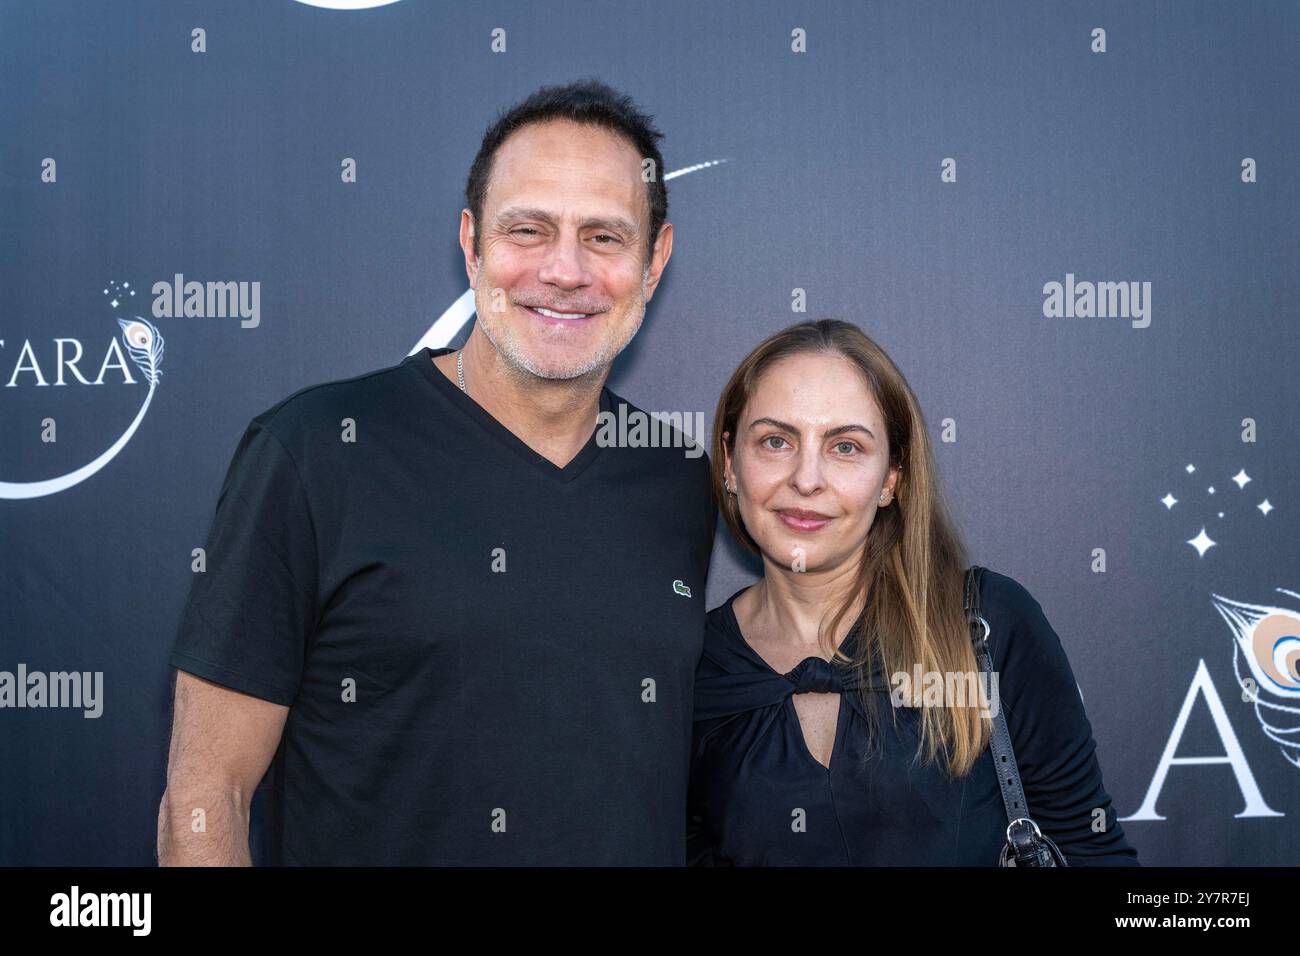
x=807, y=476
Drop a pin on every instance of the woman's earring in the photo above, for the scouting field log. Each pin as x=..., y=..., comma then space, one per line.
x=730, y=488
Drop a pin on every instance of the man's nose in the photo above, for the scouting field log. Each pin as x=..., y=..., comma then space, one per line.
x=564, y=264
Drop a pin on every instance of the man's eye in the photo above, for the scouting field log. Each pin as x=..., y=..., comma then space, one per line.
x=605, y=236
x=528, y=229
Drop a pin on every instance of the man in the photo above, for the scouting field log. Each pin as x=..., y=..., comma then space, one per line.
x=462, y=626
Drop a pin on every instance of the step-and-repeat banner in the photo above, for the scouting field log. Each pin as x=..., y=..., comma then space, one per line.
x=1074, y=227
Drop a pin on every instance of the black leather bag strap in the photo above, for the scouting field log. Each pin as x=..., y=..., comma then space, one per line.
x=1026, y=844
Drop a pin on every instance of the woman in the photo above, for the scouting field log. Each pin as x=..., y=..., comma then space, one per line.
x=804, y=752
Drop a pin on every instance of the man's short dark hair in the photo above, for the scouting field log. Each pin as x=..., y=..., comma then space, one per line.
x=590, y=102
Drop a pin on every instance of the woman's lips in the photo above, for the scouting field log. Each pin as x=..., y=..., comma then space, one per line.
x=803, y=521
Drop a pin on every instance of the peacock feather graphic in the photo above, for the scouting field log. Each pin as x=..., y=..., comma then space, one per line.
x=1269, y=639
x=144, y=343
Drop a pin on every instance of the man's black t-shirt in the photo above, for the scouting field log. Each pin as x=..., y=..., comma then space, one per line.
x=488, y=659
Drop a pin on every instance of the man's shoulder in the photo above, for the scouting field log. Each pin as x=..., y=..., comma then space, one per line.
x=329, y=404
x=676, y=440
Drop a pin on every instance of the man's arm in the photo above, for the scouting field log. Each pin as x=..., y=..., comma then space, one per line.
x=222, y=742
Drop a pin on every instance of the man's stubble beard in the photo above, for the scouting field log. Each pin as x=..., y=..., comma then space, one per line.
x=521, y=366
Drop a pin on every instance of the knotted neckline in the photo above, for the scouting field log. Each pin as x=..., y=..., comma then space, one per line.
x=815, y=675
x=734, y=678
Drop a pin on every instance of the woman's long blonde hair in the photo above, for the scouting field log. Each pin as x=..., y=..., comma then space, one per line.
x=913, y=561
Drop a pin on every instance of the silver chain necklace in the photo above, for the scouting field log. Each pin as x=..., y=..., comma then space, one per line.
x=460, y=369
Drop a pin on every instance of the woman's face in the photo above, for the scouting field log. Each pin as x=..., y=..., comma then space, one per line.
x=811, y=461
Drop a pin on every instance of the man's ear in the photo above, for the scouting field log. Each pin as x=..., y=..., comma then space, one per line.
x=467, y=246
x=659, y=259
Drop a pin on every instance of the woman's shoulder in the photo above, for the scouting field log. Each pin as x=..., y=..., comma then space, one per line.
x=1008, y=606
x=722, y=638
x=1025, y=647
x=1004, y=594
x=721, y=621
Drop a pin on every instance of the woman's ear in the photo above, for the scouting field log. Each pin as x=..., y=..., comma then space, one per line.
x=726, y=455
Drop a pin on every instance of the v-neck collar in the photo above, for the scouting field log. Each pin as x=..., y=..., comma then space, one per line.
x=424, y=364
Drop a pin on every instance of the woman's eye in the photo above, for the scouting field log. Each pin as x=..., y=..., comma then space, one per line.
x=772, y=438
x=846, y=447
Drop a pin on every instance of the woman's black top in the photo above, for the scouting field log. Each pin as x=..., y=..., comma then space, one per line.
x=758, y=796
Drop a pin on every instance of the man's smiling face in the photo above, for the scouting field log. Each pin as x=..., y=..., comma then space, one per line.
x=562, y=277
